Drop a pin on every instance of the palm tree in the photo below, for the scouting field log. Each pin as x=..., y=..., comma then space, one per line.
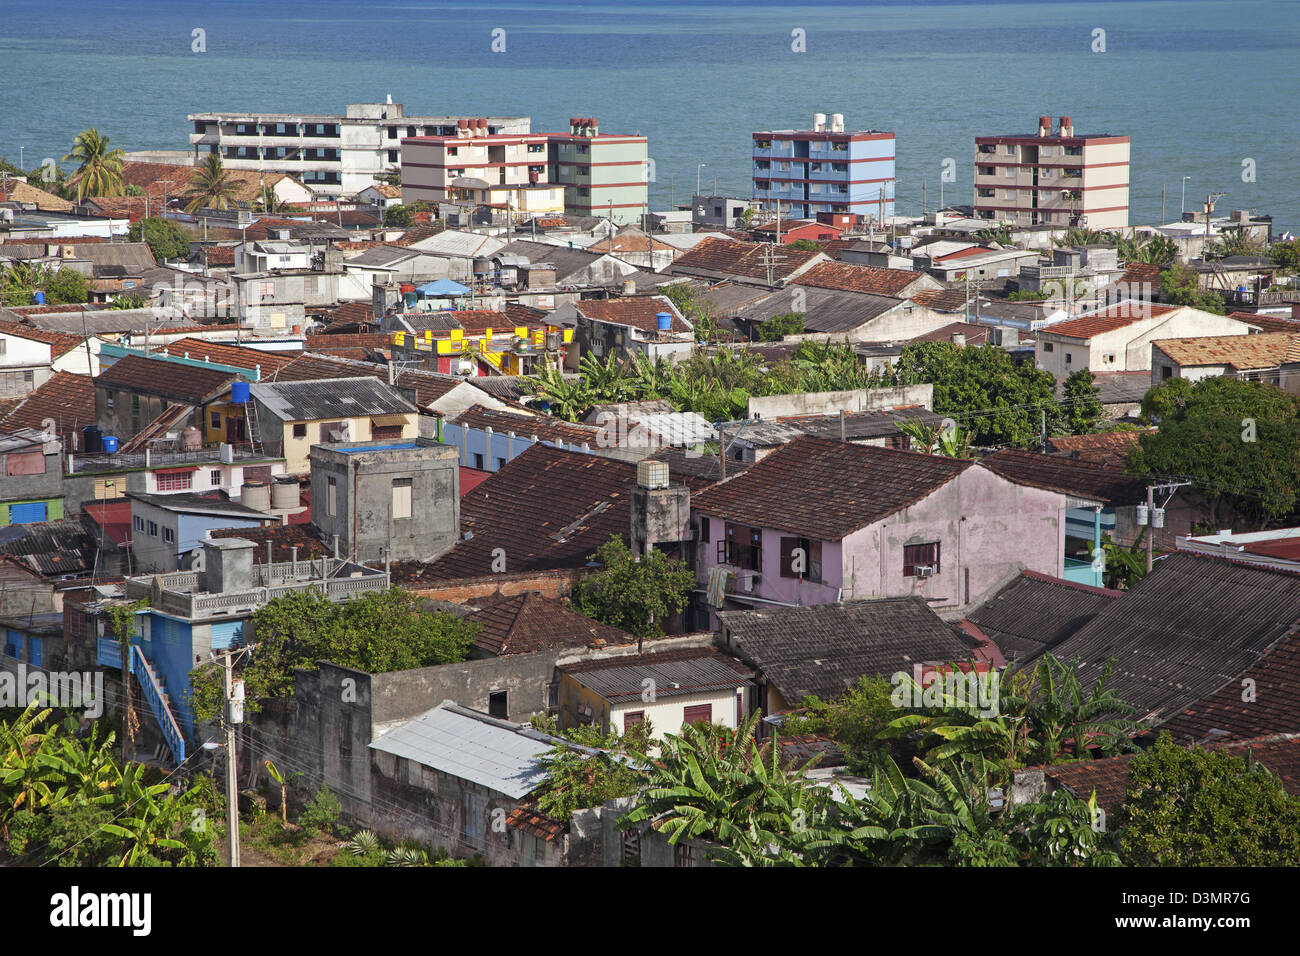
x=267, y=201
x=214, y=187
x=569, y=399
x=99, y=169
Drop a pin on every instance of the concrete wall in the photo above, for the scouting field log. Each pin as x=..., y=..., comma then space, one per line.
x=825, y=403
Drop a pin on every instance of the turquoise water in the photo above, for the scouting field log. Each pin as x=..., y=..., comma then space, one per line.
x=1199, y=86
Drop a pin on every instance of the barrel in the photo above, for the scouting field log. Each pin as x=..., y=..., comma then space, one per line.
x=110, y=444
x=664, y=321
x=284, y=493
x=92, y=440
x=239, y=392
x=255, y=495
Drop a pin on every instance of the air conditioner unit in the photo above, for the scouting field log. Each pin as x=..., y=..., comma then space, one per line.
x=924, y=570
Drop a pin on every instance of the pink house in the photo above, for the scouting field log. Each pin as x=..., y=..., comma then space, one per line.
x=821, y=521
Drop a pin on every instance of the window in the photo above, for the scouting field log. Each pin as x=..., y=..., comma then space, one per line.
x=1048, y=347
x=169, y=536
x=1109, y=358
x=742, y=547
x=299, y=429
x=215, y=419
x=1166, y=372
x=497, y=704
x=175, y=481
x=501, y=463
x=331, y=496
x=478, y=461
x=1068, y=358
x=401, y=497
x=807, y=565
x=139, y=523
x=631, y=847
x=4, y=344
x=332, y=431
x=632, y=719
x=153, y=529
x=392, y=155
x=920, y=556
x=699, y=714
x=704, y=530
x=683, y=855
x=215, y=479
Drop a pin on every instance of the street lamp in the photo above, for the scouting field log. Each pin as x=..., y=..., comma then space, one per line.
x=1182, y=201
x=697, y=177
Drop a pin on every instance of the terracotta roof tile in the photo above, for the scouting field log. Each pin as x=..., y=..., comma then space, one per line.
x=59, y=342
x=848, y=277
x=638, y=312
x=225, y=354
x=172, y=380
x=1108, y=319
x=747, y=259
x=544, y=427
x=1108, y=448
x=1083, y=479
x=67, y=398
x=1265, y=350
x=529, y=622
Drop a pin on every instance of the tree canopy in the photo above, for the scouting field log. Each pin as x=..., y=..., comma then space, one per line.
x=637, y=596
x=165, y=238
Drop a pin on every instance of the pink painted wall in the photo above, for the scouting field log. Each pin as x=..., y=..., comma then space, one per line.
x=983, y=522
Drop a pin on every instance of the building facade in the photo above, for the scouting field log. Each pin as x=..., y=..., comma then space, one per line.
x=473, y=162
x=332, y=154
x=603, y=174
x=825, y=170
x=1053, y=177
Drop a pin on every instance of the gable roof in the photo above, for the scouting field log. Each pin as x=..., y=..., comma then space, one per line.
x=824, y=649
x=544, y=427
x=529, y=622
x=225, y=354
x=1110, y=449
x=1035, y=612
x=1265, y=350
x=827, y=489
x=1189, y=627
x=637, y=311
x=848, y=277
x=1069, y=476
x=1108, y=319
x=66, y=397
x=547, y=507
x=728, y=257
x=155, y=375
x=60, y=343
x=27, y=193
x=324, y=399
x=674, y=673
x=463, y=743
x=826, y=310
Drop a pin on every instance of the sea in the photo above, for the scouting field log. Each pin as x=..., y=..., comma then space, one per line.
x=1206, y=90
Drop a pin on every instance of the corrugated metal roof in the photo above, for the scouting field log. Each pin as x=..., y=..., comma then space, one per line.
x=323, y=399
x=493, y=753
x=672, y=675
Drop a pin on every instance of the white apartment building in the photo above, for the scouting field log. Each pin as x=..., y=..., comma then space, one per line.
x=335, y=155
x=1055, y=177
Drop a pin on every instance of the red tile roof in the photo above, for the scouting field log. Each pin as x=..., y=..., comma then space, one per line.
x=848, y=277
x=282, y=538
x=528, y=817
x=1109, y=448
x=225, y=354
x=1269, y=323
x=749, y=259
x=1083, y=479
x=60, y=343
x=1108, y=319
x=1265, y=350
x=114, y=517
x=529, y=622
x=638, y=312
x=324, y=342
x=827, y=489
x=67, y=398
x=543, y=427
x=172, y=380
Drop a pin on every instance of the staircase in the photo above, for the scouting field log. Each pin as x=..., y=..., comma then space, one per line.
x=161, y=705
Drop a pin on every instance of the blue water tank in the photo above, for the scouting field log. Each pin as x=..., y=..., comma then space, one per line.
x=239, y=393
x=38, y=298
x=92, y=440
x=664, y=320
x=110, y=444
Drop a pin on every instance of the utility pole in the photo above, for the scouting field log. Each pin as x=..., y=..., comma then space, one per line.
x=1162, y=204
x=1151, y=510
x=671, y=203
x=924, y=210
x=233, y=713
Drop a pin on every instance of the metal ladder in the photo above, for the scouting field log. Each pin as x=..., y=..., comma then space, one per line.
x=250, y=418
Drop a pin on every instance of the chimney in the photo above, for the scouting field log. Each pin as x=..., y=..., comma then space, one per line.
x=1067, y=126
x=1044, y=126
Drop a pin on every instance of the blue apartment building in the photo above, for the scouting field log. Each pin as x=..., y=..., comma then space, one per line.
x=825, y=170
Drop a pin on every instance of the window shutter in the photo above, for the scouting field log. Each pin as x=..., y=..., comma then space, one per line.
x=787, y=556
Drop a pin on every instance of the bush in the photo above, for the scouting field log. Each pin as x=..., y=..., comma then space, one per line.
x=321, y=812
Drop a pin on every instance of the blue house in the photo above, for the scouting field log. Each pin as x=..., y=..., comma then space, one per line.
x=166, y=528
x=825, y=170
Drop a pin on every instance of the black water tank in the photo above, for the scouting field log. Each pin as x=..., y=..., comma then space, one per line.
x=92, y=440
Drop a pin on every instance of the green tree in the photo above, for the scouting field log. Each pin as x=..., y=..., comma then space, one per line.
x=1154, y=250
x=854, y=721
x=1178, y=286
x=779, y=326
x=806, y=245
x=1286, y=255
x=378, y=633
x=1197, y=807
x=1234, y=440
x=398, y=217
x=1081, y=407
x=999, y=400
x=590, y=769
x=67, y=287
x=635, y=595
x=567, y=398
x=165, y=238
x=99, y=169
x=268, y=202
x=213, y=186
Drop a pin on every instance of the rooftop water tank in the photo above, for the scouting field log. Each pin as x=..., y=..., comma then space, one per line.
x=284, y=493
x=255, y=495
x=664, y=321
x=110, y=444
x=92, y=440
x=239, y=392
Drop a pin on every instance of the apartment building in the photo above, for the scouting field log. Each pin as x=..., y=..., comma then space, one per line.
x=825, y=170
x=477, y=165
x=603, y=174
x=330, y=153
x=1053, y=177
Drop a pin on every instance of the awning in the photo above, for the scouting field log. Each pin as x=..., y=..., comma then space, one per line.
x=389, y=419
x=179, y=470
